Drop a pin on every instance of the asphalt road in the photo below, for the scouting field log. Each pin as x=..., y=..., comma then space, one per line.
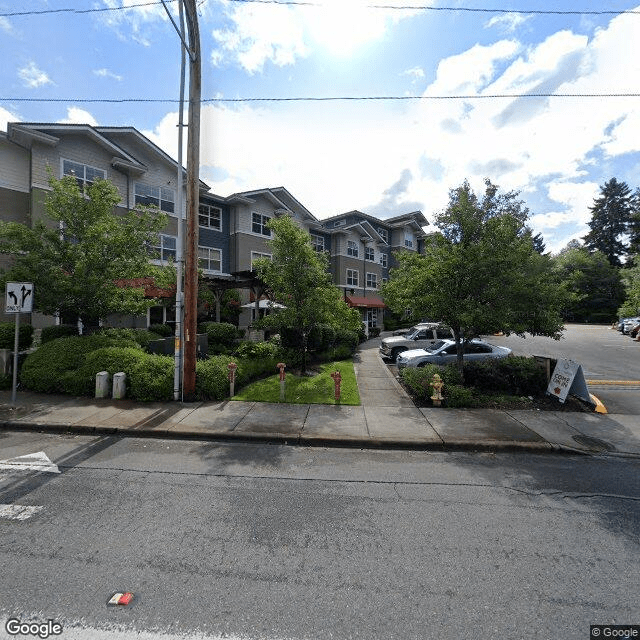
x=274, y=542
x=606, y=356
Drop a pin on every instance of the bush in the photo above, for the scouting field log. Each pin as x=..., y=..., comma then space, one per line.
x=221, y=333
x=457, y=396
x=212, y=378
x=374, y=332
x=58, y=331
x=8, y=336
x=418, y=380
x=49, y=369
x=516, y=375
x=250, y=349
x=141, y=336
x=152, y=378
x=347, y=338
x=163, y=330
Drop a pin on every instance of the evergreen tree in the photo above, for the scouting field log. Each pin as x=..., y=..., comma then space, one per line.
x=634, y=225
x=610, y=218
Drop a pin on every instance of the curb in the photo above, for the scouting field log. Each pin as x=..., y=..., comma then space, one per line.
x=300, y=439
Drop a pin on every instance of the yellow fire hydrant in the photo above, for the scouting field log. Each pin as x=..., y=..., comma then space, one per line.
x=437, y=384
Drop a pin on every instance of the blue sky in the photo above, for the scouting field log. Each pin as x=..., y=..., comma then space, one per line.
x=382, y=157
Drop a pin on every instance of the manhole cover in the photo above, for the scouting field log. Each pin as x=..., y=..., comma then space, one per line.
x=594, y=444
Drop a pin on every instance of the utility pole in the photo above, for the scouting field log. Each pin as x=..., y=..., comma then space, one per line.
x=193, y=198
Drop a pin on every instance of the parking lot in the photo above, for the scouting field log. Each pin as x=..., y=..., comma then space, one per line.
x=610, y=360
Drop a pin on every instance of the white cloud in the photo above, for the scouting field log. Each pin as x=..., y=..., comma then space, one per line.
x=508, y=22
x=415, y=72
x=75, y=115
x=106, y=73
x=6, y=117
x=133, y=23
x=5, y=25
x=33, y=77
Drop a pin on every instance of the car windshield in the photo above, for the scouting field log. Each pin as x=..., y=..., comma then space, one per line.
x=438, y=345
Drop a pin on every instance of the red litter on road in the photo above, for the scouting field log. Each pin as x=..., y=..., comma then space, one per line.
x=120, y=599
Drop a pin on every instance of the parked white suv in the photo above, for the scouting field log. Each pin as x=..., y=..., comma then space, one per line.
x=424, y=336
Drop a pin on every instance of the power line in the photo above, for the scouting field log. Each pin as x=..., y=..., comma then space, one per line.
x=488, y=96
x=15, y=14
x=310, y=3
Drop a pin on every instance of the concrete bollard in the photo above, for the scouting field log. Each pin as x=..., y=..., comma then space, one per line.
x=119, y=385
x=102, y=384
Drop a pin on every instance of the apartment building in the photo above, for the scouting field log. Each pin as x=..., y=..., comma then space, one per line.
x=233, y=230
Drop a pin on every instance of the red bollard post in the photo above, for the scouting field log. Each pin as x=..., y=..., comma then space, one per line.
x=232, y=366
x=281, y=366
x=337, y=379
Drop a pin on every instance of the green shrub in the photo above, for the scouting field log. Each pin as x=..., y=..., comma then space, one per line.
x=347, y=338
x=152, y=378
x=163, y=330
x=222, y=333
x=50, y=368
x=141, y=336
x=8, y=336
x=6, y=382
x=250, y=349
x=58, y=331
x=418, y=379
x=212, y=378
x=516, y=375
x=457, y=396
x=321, y=338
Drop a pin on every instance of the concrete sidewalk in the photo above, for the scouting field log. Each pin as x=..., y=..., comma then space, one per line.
x=386, y=418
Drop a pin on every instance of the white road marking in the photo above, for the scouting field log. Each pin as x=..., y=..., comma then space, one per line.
x=18, y=511
x=31, y=462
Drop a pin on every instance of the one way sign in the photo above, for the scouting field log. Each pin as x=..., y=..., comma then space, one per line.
x=19, y=297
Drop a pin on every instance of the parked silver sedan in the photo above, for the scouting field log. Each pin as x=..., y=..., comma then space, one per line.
x=444, y=352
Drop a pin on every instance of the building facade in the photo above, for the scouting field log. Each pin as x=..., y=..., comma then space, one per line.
x=233, y=230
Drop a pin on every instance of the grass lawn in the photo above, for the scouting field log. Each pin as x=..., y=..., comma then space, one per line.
x=317, y=389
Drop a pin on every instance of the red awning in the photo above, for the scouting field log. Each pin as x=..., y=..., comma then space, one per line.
x=373, y=302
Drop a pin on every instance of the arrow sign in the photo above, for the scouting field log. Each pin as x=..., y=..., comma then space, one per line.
x=30, y=462
x=19, y=297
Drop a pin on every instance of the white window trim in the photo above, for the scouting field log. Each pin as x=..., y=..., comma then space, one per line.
x=208, y=226
x=263, y=224
x=357, y=278
x=160, y=247
x=367, y=280
x=209, y=249
x=353, y=246
x=173, y=213
x=86, y=166
x=317, y=239
x=259, y=254
x=374, y=254
x=384, y=260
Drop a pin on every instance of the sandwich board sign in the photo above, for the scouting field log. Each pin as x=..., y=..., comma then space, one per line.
x=568, y=378
x=19, y=297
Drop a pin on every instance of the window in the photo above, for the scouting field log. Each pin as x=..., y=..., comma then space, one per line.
x=383, y=260
x=372, y=280
x=259, y=224
x=408, y=240
x=338, y=223
x=210, y=259
x=255, y=255
x=317, y=242
x=384, y=234
x=352, y=248
x=161, y=197
x=210, y=216
x=165, y=248
x=369, y=254
x=84, y=174
x=352, y=277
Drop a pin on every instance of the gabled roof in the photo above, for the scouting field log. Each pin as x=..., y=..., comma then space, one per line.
x=280, y=197
x=415, y=219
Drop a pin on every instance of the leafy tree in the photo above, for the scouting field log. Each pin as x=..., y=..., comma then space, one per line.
x=482, y=273
x=610, y=217
x=75, y=262
x=631, y=281
x=298, y=278
x=538, y=243
x=595, y=284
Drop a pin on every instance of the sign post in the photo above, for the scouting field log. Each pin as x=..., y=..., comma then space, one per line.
x=568, y=378
x=19, y=299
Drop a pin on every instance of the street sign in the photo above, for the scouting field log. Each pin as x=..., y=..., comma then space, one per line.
x=19, y=297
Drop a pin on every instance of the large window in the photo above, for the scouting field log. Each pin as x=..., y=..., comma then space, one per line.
x=317, y=242
x=352, y=248
x=259, y=224
x=372, y=280
x=369, y=254
x=352, y=277
x=210, y=216
x=84, y=174
x=408, y=240
x=161, y=197
x=210, y=259
x=384, y=234
x=256, y=254
x=165, y=248
x=383, y=260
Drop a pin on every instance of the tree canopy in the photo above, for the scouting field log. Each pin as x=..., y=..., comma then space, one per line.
x=611, y=216
x=76, y=261
x=482, y=273
x=298, y=278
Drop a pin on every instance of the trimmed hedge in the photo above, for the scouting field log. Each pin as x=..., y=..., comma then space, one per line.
x=516, y=375
x=58, y=331
x=141, y=336
x=220, y=333
x=8, y=336
x=163, y=330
